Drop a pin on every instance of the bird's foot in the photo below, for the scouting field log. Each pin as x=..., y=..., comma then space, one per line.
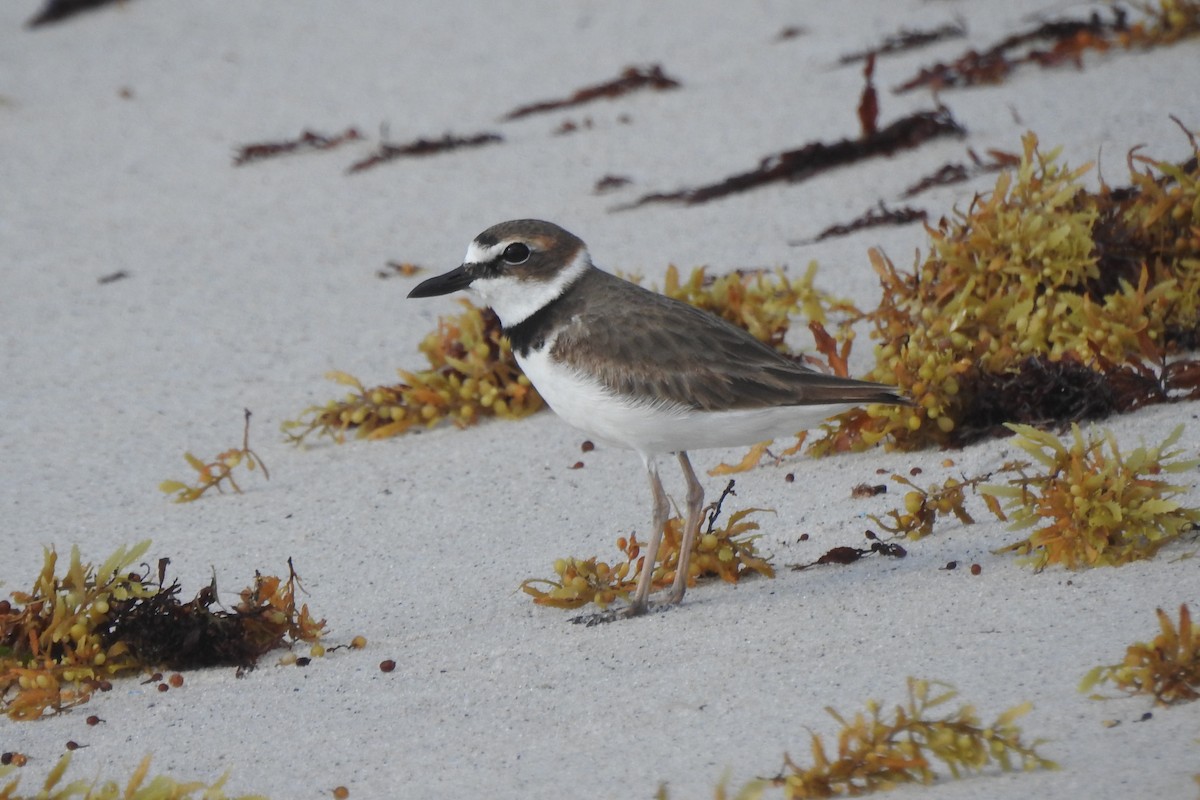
x=612, y=615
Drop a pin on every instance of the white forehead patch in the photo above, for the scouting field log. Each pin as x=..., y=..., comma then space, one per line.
x=514, y=300
x=478, y=254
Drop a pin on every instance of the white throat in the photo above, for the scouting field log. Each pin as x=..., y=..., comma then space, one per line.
x=515, y=299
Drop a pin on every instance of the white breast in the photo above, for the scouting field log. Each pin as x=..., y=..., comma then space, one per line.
x=650, y=428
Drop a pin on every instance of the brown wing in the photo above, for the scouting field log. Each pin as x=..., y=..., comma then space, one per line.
x=670, y=351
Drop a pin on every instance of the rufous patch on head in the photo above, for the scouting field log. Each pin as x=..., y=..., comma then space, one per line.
x=542, y=243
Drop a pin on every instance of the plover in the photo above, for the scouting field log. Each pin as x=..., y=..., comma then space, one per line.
x=637, y=369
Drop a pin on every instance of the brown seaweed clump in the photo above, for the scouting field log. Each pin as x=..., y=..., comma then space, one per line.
x=64, y=638
x=1167, y=668
x=1040, y=302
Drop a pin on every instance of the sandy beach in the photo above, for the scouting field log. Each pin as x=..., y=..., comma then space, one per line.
x=245, y=285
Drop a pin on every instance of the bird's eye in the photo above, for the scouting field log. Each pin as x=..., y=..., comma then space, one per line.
x=515, y=253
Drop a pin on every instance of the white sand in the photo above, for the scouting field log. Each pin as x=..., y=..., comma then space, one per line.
x=247, y=284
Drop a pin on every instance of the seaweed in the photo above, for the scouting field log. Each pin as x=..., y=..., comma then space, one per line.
x=1067, y=38
x=308, y=140
x=1040, y=392
x=64, y=638
x=761, y=301
x=112, y=277
x=472, y=374
x=1167, y=668
x=403, y=269
x=610, y=183
x=1091, y=504
x=1107, y=282
x=1064, y=41
x=868, y=101
x=923, y=507
x=790, y=32
x=815, y=158
x=949, y=174
x=631, y=79
x=876, y=750
x=726, y=552
x=845, y=554
x=213, y=474
x=908, y=39
x=158, y=629
x=159, y=787
x=876, y=217
x=388, y=151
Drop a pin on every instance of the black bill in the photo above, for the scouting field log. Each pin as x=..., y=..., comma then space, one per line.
x=452, y=281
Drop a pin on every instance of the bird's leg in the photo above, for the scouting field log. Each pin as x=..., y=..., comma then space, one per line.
x=661, y=509
x=695, y=502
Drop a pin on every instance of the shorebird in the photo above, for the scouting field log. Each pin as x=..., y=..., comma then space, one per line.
x=637, y=369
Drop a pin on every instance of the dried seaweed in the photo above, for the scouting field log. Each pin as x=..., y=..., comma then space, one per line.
x=876, y=217
x=906, y=40
x=112, y=277
x=308, y=140
x=1167, y=668
x=1038, y=392
x=1091, y=504
x=868, y=102
x=631, y=79
x=402, y=269
x=1043, y=392
x=1038, y=268
x=878, y=751
x=950, y=174
x=423, y=147
x=159, y=787
x=610, y=183
x=1141, y=383
x=923, y=507
x=1067, y=39
x=58, y=10
x=213, y=474
x=62, y=640
x=762, y=301
x=818, y=157
x=845, y=554
x=472, y=374
x=1064, y=41
x=571, y=126
x=160, y=630
x=790, y=32
x=728, y=552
